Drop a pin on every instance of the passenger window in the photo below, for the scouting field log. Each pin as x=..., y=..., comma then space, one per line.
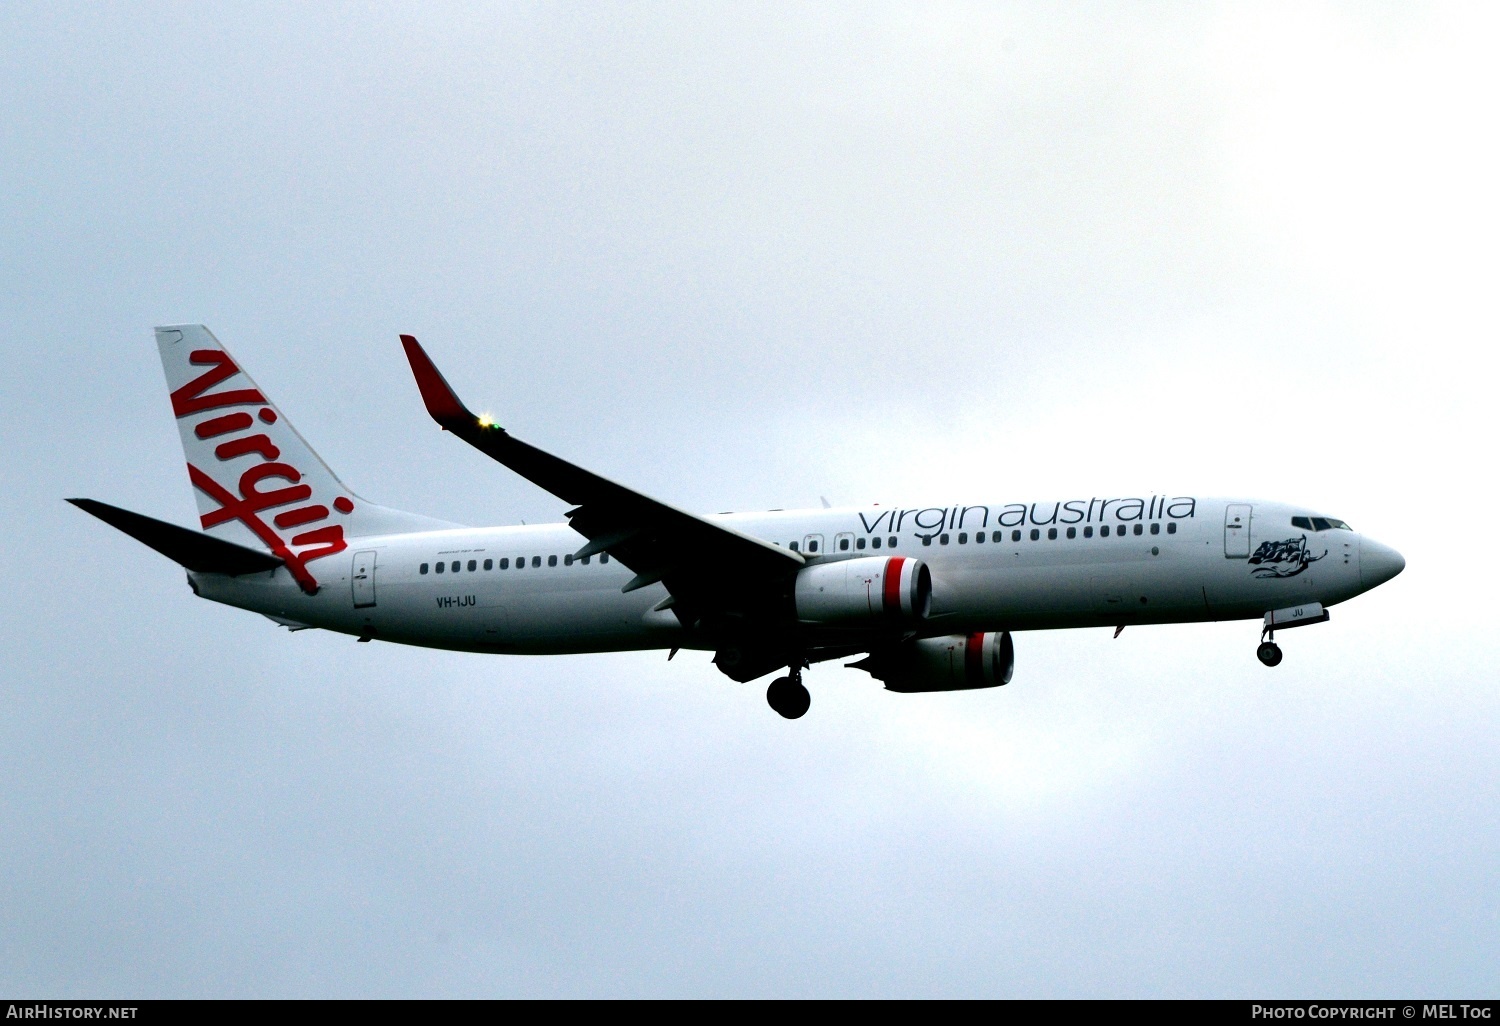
x=586, y=560
x=473, y=565
x=422, y=569
x=943, y=539
x=1156, y=529
x=1104, y=531
x=793, y=546
x=1052, y=534
x=963, y=538
x=1072, y=532
x=978, y=537
x=604, y=557
x=489, y=564
x=874, y=543
x=441, y=567
x=568, y=560
x=537, y=560
x=891, y=542
x=1015, y=536
x=1139, y=529
x=859, y=543
x=1172, y=528
x=505, y=563
x=1035, y=534
x=926, y=539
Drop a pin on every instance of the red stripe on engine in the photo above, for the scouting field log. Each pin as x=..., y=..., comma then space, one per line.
x=974, y=659
x=892, y=589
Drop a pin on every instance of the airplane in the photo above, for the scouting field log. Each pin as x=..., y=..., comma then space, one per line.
x=923, y=599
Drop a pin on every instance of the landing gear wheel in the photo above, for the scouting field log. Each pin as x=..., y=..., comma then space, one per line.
x=1269, y=653
x=788, y=697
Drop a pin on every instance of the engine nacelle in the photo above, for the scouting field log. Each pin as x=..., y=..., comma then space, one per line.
x=864, y=590
x=954, y=662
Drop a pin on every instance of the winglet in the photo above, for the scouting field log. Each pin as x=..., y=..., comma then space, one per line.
x=442, y=403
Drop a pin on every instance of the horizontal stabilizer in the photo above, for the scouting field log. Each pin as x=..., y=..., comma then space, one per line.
x=195, y=551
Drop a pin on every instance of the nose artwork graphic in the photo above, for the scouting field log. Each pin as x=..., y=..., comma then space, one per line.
x=1286, y=558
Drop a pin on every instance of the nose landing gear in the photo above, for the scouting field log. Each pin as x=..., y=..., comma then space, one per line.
x=1269, y=653
x=1284, y=619
x=787, y=695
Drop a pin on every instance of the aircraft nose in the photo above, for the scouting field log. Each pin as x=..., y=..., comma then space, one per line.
x=1378, y=563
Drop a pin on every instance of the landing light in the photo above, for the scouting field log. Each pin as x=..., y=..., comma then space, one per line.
x=486, y=421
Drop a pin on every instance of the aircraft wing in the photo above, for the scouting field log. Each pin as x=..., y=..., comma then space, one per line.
x=709, y=569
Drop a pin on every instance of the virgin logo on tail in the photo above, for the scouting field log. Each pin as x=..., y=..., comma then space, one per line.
x=257, y=490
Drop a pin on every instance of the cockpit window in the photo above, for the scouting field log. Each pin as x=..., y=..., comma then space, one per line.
x=1320, y=524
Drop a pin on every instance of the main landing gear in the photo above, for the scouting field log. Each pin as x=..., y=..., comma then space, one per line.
x=787, y=695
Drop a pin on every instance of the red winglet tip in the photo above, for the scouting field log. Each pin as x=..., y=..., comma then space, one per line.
x=441, y=402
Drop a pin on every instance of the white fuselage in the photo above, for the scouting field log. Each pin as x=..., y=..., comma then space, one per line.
x=518, y=589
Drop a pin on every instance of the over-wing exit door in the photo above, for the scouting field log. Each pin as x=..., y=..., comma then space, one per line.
x=1237, y=531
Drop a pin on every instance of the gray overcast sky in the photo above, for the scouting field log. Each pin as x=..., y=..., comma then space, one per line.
x=742, y=256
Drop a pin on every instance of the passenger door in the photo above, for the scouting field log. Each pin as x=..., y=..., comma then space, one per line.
x=1237, y=531
x=362, y=578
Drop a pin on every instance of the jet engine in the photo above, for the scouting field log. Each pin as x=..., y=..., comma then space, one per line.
x=954, y=662
x=871, y=588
